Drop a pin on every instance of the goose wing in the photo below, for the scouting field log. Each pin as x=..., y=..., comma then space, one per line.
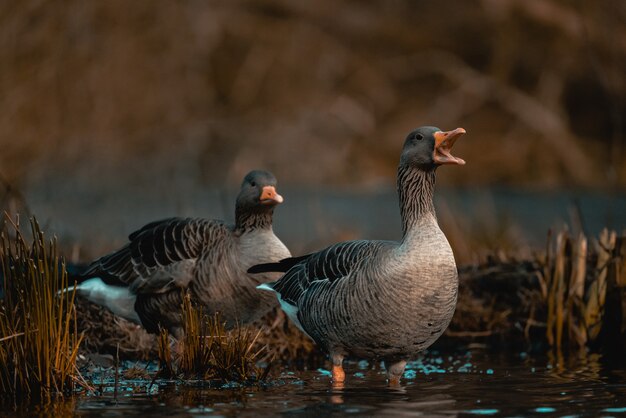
x=159, y=256
x=331, y=264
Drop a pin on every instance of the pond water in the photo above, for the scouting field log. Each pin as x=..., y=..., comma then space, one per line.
x=95, y=220
x=470, y=382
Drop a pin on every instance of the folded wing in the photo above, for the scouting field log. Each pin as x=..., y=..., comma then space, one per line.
x=159, y=256
x=331, y=264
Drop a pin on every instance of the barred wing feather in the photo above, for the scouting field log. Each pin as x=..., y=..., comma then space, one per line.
x=159, y=256
x=331, y=264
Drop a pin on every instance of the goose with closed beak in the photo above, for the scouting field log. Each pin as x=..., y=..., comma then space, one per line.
x=145, y=280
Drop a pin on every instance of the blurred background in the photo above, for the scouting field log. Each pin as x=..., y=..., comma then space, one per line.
x=116, y=113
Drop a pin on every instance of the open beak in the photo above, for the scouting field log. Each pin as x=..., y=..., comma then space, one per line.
x=269, y=196
x=443, y=144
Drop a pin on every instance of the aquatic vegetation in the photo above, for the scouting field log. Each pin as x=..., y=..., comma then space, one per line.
x=38, y=339
x=577, y=281
x=197, y=347
x=209, y=351
x=572, y=294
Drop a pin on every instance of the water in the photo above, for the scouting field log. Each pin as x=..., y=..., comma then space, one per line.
x=98, y=220
x=468, y=383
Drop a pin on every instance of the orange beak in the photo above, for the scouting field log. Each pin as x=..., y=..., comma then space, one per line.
x=269, y=196
x=443, y=144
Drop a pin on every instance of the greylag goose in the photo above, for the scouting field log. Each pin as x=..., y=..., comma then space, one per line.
x=380, y=299
x=144, y=280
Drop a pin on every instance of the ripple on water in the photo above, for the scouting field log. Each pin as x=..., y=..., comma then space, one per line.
x=545, y=409
x=616, y=410
x=482, y=411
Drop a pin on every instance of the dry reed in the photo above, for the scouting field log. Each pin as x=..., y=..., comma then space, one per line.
x=166, y=368
x=38, y=338
x=573, y=294
x=209, y=351
x=575, y=280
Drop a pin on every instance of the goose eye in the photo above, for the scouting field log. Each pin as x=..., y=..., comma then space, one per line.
x=253, y=184
x=419, y=137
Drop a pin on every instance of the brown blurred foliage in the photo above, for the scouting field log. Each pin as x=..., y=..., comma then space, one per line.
x=321, y=92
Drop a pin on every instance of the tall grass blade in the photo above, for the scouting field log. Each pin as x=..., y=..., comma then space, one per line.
x=38, y=341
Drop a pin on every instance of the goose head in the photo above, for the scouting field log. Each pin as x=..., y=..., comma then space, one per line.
x=258, y=192
x=428, y=147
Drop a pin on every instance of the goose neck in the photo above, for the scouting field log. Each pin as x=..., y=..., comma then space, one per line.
x=415, y=190
x=246, y=220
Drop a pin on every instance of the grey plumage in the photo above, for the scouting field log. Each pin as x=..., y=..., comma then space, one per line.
x=380, y=299
x=206, y=258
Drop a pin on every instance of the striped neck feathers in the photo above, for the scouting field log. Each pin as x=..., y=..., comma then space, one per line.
x=247, y=219
x=415, y=190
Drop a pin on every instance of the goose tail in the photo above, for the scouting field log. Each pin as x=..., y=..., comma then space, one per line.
x=265, y=268
x=282, y=266
x=118, y=299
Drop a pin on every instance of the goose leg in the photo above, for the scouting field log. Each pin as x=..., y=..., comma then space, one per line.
x=339, y=376
x=395, y=370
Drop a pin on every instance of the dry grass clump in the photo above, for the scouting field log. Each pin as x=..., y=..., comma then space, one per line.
x=38, y=338
x=209, y=351
x=166, y=367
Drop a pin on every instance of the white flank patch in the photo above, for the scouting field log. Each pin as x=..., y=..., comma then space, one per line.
x=118, y=299
x=265, y=286
x=290, y=310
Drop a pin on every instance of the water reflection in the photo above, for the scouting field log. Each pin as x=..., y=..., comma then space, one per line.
x=467, y=383
x=59, y=408
x=574, y=364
